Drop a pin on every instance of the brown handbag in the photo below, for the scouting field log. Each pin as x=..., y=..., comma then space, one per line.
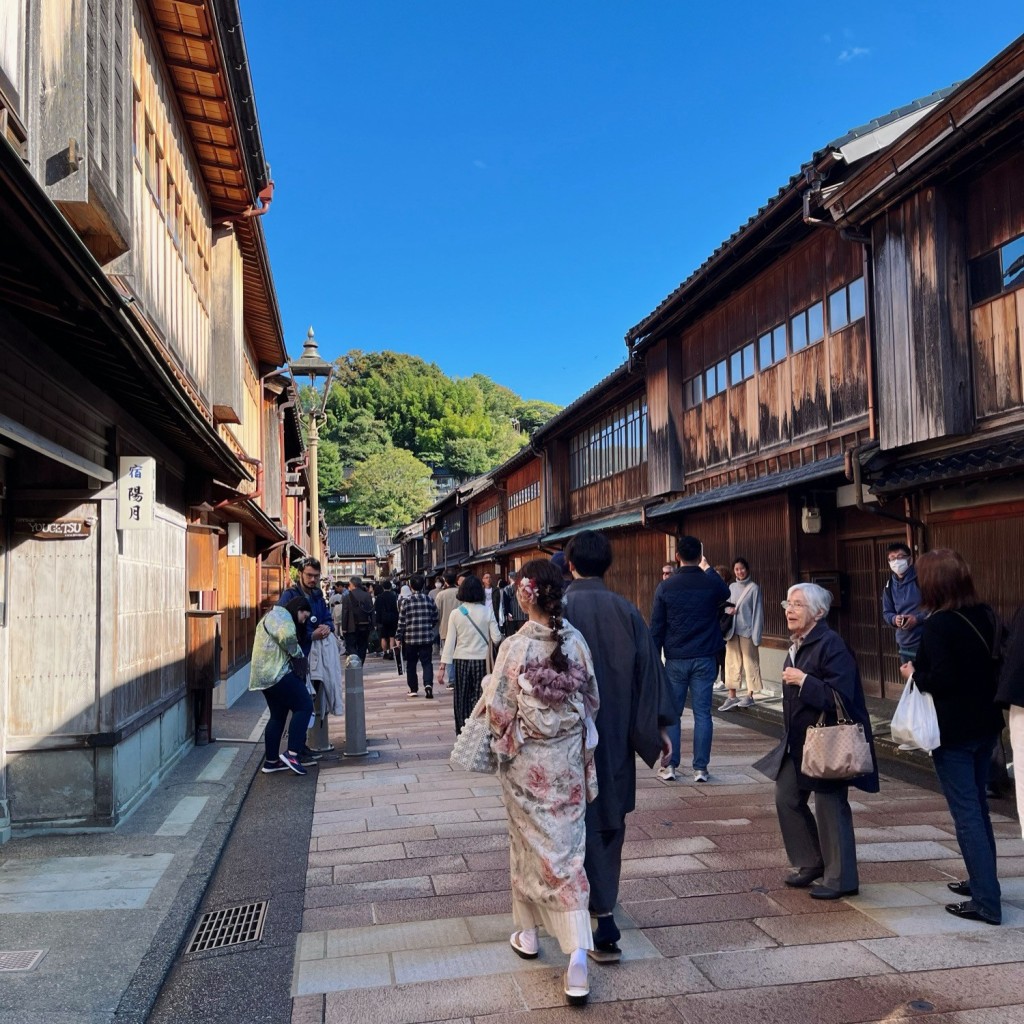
x=839, y=751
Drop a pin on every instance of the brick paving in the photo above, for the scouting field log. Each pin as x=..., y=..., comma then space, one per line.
x=407, y=910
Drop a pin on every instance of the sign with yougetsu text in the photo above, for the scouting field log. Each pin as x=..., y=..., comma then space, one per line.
x=136, y=492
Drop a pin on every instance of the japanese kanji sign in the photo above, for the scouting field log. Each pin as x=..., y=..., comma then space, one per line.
x=136, y=492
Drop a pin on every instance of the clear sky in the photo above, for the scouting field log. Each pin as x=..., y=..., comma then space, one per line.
x=507, y=187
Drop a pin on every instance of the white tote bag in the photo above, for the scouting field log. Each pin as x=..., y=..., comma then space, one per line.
x=915, y=726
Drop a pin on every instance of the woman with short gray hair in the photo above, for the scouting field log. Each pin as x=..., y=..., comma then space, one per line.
x=819, y=666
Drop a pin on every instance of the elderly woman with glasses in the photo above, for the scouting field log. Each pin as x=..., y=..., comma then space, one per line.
x=819, y=666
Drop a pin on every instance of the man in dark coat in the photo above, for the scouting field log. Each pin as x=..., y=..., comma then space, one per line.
x=635, y=710
x=357, y=618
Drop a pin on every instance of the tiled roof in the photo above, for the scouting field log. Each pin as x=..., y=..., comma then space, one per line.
x=999, y=457
x=750, y=488
x=352, y=541
x=607, y=523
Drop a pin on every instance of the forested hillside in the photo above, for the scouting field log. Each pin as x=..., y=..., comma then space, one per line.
x=390, y=417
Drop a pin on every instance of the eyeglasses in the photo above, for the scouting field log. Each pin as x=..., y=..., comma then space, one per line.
x=666, y=573
x=795, y=605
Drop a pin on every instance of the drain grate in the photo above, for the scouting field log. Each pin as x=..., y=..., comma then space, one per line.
x=20, y=959
x=229, y=927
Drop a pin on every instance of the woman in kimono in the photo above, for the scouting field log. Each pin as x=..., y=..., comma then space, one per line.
x=540, y=703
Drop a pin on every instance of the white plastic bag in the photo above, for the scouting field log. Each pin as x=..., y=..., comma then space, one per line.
x=915, y=726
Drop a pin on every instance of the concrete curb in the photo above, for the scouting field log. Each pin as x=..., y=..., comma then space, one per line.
x=140, y=996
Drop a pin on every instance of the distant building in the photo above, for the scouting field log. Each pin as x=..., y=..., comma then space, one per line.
x=357, y=551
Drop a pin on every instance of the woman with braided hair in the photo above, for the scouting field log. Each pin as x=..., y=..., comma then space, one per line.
x=540, y=703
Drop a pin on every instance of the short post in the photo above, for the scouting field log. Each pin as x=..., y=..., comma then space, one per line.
x=355, y=708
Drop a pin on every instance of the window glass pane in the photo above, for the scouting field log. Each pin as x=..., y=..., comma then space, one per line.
x=711, y=390
x=798, y=327
x=765, y=350
x=986, y=277
x=815, y=323
x=723, y=380
x=779, y=342
x=748, y=361
x=856, y=299
x=698, y=392
x=736, y=367
x=1013, y=262
x=837, y=318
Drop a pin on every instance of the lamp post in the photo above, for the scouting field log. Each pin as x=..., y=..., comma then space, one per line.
x=312, y=366
x=445, y=535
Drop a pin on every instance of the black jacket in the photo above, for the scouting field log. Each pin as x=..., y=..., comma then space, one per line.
x=357, y=615
x=386, y=608
x=684, y=619
x=830, y=667
x=955, y=665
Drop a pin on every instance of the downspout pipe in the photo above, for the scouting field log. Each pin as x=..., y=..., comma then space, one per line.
x=853, y=473
x=239, y=498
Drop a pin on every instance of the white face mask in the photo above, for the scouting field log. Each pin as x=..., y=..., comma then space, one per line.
x=899, y=566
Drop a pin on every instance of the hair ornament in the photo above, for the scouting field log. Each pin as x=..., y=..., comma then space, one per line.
x=528, y=588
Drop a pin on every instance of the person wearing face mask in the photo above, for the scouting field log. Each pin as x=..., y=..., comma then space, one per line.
x=901, y=601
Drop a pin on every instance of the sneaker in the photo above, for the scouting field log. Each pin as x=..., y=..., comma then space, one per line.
x=719, y=684
x=729, y=703
x=746, y=702
x=667, y=773
x=701, y=777
x=308, y=759
x=412, y=693
x=309, y=752
x=292, y=762
x=269, y=767
x=428, y=692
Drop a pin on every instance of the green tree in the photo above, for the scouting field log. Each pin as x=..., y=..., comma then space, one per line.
x=387, y=490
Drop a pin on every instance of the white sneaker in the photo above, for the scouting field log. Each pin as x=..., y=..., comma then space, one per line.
x=745, y=702
x=667, y=773
x=729, y=703
x=719, y=685
x=701, y=777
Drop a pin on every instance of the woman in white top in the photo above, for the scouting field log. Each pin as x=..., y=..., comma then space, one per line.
x=742, y=658
x=471, y=631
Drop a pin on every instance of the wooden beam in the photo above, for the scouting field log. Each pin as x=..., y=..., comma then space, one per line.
x=185, y=65
x=23, y=435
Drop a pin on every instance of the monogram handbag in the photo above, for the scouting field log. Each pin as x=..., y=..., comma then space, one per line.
x=839, y=751
x=472, y=751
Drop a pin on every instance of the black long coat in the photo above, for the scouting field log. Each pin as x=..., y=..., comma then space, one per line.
x=829, y=665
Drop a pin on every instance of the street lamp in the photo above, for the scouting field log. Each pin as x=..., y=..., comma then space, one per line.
x=313, y=367
x=445, y=535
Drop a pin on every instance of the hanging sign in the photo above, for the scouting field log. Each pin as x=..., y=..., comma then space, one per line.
x=136, y=492
x=54, y=529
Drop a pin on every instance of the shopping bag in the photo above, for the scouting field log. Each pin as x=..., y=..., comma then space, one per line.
x=915, y=726
x=472, y=751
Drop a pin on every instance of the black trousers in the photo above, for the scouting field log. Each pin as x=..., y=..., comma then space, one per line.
x=288, y=694
x=422, y=654
x=356, y=643
x=603, y=865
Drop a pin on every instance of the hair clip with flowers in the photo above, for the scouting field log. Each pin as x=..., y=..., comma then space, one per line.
x=528, y=588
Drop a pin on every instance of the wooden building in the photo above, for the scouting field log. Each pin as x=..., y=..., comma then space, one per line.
x=760, y=387
x=356, y=551
x=446, y=533
x=944, y=249
x=138, y=328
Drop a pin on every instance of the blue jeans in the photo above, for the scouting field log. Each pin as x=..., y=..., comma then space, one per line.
x=695, y=676
x=963, y=774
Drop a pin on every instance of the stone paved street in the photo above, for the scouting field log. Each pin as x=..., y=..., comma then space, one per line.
x=408, y=909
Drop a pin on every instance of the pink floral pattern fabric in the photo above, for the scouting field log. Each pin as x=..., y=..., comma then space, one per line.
x=546, y=775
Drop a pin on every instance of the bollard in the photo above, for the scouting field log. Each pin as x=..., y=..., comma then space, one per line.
x=355, y=708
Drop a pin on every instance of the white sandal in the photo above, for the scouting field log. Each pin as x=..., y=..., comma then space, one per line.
x=520, y=950
x=576, y=993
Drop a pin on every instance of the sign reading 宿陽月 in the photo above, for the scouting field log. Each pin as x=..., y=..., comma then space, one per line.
x=136, y=492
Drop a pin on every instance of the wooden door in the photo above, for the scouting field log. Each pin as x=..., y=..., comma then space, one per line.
x=860, y=619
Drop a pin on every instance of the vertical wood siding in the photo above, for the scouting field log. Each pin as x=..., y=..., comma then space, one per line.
x=527, y=518
x=637, y=558
x=174, y=297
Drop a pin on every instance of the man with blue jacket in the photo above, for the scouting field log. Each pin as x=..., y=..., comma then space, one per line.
x=901, y=601
x=684, y=626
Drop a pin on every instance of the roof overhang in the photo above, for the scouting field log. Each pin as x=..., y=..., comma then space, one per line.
x=616, y=522
x=769, y=484
x=248, y=513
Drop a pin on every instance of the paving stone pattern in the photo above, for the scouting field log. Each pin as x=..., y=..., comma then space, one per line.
x=407, y=911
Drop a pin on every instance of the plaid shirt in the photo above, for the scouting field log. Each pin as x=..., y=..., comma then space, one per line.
x=417, y=618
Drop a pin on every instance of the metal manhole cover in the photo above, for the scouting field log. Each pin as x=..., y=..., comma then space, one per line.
x=20, y=959
x=229, y=927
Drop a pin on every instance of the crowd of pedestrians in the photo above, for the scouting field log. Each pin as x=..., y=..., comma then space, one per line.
x=573, y=685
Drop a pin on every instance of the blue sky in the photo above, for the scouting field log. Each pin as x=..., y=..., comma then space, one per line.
x=506, y=188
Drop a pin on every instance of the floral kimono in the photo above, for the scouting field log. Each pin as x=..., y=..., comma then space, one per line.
x=542, y=721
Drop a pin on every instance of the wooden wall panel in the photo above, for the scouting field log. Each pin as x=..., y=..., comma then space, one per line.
x=775, y=405
x=810, y=398
x=995, y=206
x=743, y=418
x=528, y=518
x=716, y=430
x=664, y=457
x=610, y=493
x=693, y=440
x=637, y=558
x=996, y=349
x=848, y=374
